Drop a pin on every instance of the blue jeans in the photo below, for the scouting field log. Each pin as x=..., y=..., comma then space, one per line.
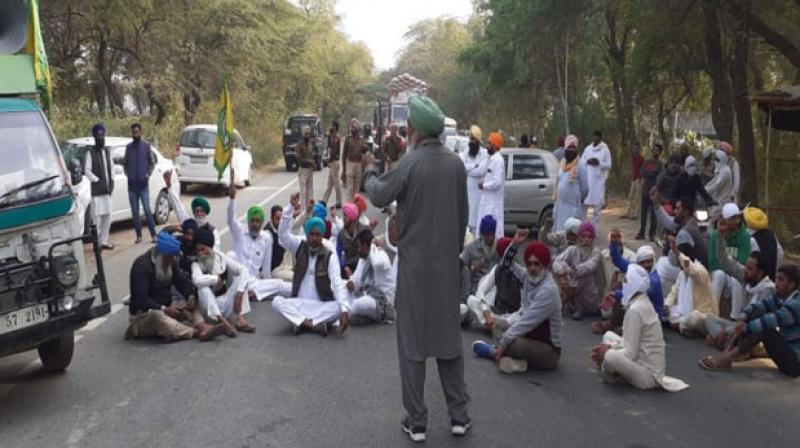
x=134, y=196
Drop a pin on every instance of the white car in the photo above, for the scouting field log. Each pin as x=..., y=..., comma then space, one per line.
x=75, y=152
x=456, y=143
x=194, y=158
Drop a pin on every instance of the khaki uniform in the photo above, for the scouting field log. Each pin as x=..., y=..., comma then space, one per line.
x=393, y=150
x=335, y=149
x=353, y=153
x=305, y=170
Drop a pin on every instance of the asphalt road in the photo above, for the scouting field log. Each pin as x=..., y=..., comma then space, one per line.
x=274, y=389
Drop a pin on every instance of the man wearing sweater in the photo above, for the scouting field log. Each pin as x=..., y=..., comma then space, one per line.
x=139, y=163
x=533, y=341
x=775, y=322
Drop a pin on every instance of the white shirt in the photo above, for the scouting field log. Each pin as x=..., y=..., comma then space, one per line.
x=308, y=286
x=237, y=275
x=596, y=175
x=381, y=276
x=495, y=178
x=254, y=253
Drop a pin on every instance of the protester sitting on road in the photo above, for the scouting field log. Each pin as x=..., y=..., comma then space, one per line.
x=154, y=311
x=281, y=264
x=577, y=268
x=690, y=301
x=765, y=239
x=371, y=288
x=739, y=245
x=345, y=244
x=253, y=248
x=720, y=187
x=221, y=285
x=775, y=322
x=610, y=269
x=757, y=285
x=361, y=203
x=533, y=339
x=560, y=240
x=645, y=257
x=638, y=357
x=498, y=295
x=200, y=209
x=690, y=185
x=479, y=257
x=318, y=296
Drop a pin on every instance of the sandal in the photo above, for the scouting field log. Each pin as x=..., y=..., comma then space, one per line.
x=246, y=328
x=708, y=363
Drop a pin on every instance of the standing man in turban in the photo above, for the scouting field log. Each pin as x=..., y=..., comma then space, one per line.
x=334, y=156
x=597, y=157
x=428, y=283
x=99, y=170
x=353, y=155
x=533, y=339
x=571, y=187
x=476, y=160
x=493, y=185
x=253, y=248
x=318, y=297
x=733, y=164
x=306, y=162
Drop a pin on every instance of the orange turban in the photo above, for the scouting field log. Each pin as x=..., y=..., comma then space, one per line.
x=496, y=139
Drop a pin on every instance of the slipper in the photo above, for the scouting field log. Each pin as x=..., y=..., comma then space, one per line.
x=707, y=363
x=246, y=328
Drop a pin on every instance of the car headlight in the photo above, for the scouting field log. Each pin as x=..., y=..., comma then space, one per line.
x=66, y=270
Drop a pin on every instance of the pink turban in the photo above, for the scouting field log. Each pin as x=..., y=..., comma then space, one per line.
x=350, y=211
x=571, y=140
x=725, y=146
x=587, y=227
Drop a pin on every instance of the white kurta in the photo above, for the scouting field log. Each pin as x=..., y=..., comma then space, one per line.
x=101, y=205
x=236, y=279
x=308, y=304
x=476, y=170
x=596, y=175
x=256, y=255
x=639, y=356
x=491, y=201
x=484, y=299
x=375, y=271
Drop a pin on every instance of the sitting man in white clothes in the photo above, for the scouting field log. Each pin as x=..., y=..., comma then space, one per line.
x=252, y=247
x=639, y=356
x=318, y=296
x=221, y=285
x=690, y=301
x=371, y=288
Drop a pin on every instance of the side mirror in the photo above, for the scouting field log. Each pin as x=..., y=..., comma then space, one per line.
x=75, y=171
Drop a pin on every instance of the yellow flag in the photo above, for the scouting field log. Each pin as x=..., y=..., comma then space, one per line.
x=225, y=134
x=35, y=47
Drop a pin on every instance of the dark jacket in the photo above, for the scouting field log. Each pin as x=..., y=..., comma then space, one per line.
x=139, y=163
x=277, y=250
x=321, y=278
x=668, y=186
x=147, y=293
x=103, y=171
x=690, y=186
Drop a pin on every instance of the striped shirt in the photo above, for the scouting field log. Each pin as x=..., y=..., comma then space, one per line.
x=784, y=314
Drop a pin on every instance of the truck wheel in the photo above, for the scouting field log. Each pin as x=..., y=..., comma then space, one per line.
x=56, y=354
x=547, y=214
x=161, y=210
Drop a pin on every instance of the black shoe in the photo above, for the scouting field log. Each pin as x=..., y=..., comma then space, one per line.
x=415, y=433
x=459, y=429
x=640, y=236
x=138, y=240
x=337, y=206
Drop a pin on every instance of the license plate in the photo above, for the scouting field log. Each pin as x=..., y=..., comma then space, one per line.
x=23, y=318
x=198, y=159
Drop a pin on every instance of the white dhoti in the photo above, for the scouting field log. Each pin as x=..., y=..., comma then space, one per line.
x=214, y=306
x=297, y=310
x=478, y=307
x=668, y=273
x=616, y=363
x=722, y=283
x=268, y=287
x=101, y=207
x=365, y=306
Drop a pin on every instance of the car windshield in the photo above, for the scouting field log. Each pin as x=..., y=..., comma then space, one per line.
x=296, y=125
x=35, y=158
x=199, y=138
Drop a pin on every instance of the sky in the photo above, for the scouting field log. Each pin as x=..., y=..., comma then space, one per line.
x=381, y=23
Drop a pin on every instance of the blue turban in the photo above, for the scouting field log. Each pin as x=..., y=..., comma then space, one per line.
x=319, y=211
x=488, y=225
x=167, y=244
x=97, y=128
x=189, y=224
x=315, y=224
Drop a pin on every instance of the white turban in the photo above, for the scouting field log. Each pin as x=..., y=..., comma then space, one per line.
x=645, y=252
x=637, y=280
x=572, y=225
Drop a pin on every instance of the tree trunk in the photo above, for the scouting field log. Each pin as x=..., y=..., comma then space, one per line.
x=722, y=113
x=744, y=118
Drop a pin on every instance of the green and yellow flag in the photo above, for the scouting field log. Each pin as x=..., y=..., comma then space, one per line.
x=35, y=46
x=225, y=134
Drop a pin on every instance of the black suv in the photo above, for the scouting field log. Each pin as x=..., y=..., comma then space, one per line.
x=293, y=133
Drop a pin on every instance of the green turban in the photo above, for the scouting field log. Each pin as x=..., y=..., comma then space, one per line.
x=202, y=203
x=425, y=116
x=256, y=211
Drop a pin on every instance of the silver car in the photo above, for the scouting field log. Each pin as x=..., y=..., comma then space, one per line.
x=530, y=179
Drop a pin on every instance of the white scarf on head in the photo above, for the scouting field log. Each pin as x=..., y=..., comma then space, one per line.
x=637, y=281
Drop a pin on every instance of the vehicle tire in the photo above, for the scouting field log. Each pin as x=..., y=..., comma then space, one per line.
x=184, y=187
x=546, y=214
x=56, y=354
x=161, y=209
x=88, y=218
